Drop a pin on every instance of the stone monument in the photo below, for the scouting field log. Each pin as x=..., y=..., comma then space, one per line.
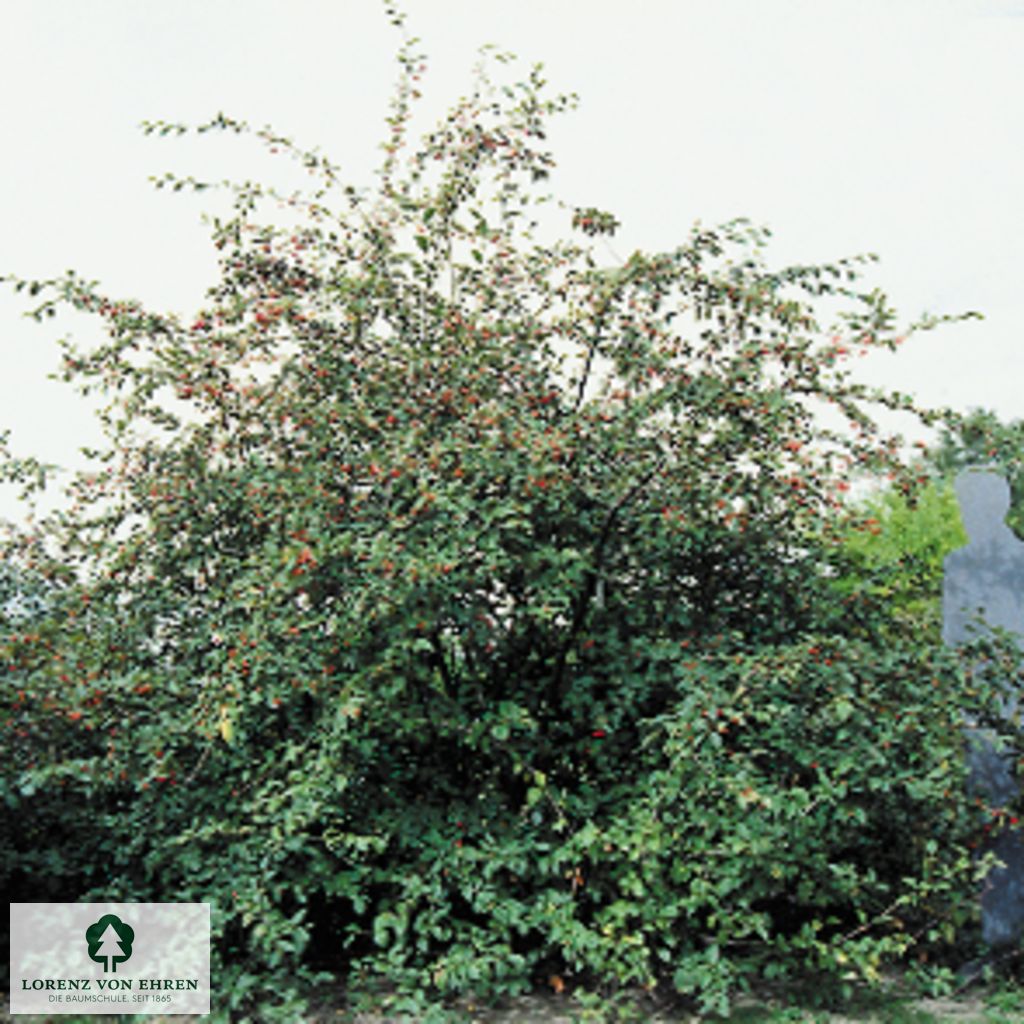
x=984, y=588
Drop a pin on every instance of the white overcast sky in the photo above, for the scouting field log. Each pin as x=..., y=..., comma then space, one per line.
x=845, y=126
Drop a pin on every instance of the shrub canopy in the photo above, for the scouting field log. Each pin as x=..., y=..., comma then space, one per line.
x=456, y=611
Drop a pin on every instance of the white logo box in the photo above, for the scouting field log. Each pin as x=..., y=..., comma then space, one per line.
x=107, y=958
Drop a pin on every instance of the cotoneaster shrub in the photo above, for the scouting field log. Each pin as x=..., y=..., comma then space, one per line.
x=458, y=614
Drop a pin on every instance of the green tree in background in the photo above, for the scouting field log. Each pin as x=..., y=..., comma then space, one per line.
x=898, y=550
x=981, y=438
x=897, y=556
x=455, y=612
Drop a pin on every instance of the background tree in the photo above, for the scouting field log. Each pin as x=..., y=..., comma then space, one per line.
x=452, y=610
x=897, y=561
x=980, y=438
x=897, y=557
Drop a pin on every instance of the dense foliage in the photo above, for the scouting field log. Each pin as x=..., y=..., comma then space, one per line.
x=458, y=614
x=897, y=560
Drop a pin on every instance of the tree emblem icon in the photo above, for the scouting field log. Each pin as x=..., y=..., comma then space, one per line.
x=110, y=941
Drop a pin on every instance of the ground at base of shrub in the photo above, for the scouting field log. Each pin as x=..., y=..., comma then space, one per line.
x=978, y=1006
x=993, y=1005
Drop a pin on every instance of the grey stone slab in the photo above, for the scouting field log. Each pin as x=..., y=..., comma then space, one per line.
x=983, y=589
